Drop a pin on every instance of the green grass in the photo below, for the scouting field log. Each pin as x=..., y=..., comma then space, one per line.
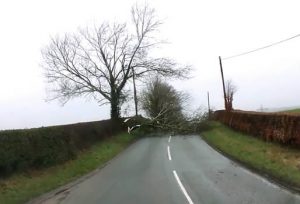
x=20, y=188
x=280, y=162
x=292, y=111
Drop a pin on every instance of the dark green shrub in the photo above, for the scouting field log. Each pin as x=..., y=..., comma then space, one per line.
x=46, y=146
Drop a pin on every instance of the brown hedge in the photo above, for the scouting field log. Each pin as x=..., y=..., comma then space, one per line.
x=279, y=127
x=46, y=146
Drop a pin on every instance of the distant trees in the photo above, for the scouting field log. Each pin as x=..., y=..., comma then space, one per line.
x=230, y=89
x=100, y=62
x=163, y=104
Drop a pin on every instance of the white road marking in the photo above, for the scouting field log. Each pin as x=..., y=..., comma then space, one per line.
x=182, y=188
x=169, y=139
x=169, y=154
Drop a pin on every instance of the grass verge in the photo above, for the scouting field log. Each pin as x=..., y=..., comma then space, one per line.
x=22, y=187
x=280, y=163
x=292, y=111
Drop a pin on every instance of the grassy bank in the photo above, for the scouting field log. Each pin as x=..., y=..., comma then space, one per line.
x=280, y=162
x=22, y=187
x=292, y=111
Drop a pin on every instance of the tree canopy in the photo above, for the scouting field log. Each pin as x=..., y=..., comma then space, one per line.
x=99, y=62
x=162, y=103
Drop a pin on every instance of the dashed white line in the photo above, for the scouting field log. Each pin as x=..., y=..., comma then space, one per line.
x=177, y=178
x=182, y=188
x=169, y=154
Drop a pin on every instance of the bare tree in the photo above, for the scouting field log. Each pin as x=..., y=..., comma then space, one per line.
x=230, y=91
x=99, y=62
x=163, y=104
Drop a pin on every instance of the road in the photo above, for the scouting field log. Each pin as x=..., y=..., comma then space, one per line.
x=177, y=169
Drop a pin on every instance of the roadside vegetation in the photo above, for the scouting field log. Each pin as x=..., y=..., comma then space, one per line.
x=277, y=161
x=292, y=111
x=36, y=148
x=281, y=128
x=21, y=187
x=166, y=108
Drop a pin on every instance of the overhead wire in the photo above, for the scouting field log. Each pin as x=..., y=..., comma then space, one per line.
x=264, y=47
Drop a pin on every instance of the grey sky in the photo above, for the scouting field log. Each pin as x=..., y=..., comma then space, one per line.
x=198, y=32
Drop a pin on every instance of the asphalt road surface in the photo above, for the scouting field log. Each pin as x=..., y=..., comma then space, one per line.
x=177, y=169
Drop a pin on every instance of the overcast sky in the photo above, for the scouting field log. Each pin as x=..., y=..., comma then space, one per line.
x=198, y=31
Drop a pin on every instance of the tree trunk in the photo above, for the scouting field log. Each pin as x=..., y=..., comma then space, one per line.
x=115, y=105
x=134, y=93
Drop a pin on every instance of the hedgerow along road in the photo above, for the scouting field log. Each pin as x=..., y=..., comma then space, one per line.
x=172, y=169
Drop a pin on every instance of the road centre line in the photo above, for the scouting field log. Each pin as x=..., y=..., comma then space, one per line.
x=169, y=154
x=169, y=139
x=182, y=188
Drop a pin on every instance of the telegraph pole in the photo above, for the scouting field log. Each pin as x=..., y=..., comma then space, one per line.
x=225, y=101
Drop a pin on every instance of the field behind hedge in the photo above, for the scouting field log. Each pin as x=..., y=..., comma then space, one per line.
x=42, y=147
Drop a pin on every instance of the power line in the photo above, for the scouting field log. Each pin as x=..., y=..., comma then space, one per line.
x=264, y=47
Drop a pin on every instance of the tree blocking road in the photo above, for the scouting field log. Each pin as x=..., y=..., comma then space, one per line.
x=173, y=170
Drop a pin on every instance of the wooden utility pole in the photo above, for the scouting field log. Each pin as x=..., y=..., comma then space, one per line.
x=134, y=93
x=208, y=105
x=225, y=101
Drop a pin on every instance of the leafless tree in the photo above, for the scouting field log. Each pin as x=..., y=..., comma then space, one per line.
x=230, y=91
x=99, y=62
x=163, y=104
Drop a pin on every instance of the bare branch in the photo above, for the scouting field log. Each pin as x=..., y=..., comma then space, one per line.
x=230, y=91
x=99, y=62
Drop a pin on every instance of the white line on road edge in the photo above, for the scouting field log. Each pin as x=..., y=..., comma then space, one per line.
x=182, y=188
x=169, y=139
x=169, y=154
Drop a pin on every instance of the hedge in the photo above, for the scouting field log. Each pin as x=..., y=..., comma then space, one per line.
x=41, y=147
x=279, y=127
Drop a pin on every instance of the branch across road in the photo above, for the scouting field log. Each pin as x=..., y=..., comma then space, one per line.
x=144, y=173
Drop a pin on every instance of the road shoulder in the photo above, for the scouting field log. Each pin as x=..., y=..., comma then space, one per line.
x=252, y=168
